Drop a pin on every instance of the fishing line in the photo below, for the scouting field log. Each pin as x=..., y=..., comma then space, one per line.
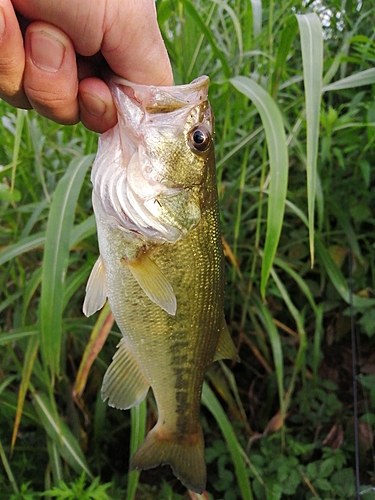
x=354, y=374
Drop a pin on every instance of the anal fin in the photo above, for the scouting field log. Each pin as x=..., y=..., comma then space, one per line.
x=153, y=282
x=96, y=289
x=225, y=347
x=124, y=384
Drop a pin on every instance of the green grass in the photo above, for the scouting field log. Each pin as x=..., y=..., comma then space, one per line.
x=294, y=145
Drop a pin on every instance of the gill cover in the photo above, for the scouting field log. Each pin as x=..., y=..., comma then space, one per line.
x=149, y=167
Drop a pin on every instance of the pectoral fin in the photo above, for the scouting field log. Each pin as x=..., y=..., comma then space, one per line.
x=124, y=384
x=96, y=289
x=154, y=283
x=225, y=348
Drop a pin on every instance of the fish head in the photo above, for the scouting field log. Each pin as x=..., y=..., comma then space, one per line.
x=164, y=141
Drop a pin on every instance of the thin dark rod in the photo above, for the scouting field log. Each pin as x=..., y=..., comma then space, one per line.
x=354, y=371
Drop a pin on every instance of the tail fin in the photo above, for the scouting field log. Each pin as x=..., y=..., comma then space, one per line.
x=185, y=456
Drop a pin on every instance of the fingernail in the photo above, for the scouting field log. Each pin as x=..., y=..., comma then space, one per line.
x=47, y=52
x=2, y=23
x=93, y=105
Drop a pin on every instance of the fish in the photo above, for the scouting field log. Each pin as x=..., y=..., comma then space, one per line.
x=161, y=264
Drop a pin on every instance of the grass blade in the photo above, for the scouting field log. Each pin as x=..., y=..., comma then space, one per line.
x=55, y=261
x=25, y=245
x=60, y=434
x=277, y=351
x=300, y=358
x=366, y=77
x=83, y=230
x=211, y=402
x=138, y=431
x=312, y=58
x=287, y=36
x=55, y=461
x=338, y=280
x=98, y=336
x=31, y=352
x=192, y=11
x=279, y=166
x=236, y=24
x=5, y=338
x=7, y=468
x=256, y=6
x=29, y=243
x=17, y=141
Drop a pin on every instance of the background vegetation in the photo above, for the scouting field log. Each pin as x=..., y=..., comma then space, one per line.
x=295, y=120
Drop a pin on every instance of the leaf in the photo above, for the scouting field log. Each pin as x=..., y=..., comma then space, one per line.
x=5, y=338
x=8, y=469
x=237, y=453
x=138, y=431
x=55, y=461
x=30, y=355
x=279, y=166
x=60, y=434
x=79, y=233
x=277, y=352
x=192, y=11
x=256, y=6
x=338, y=280
x=83, y=230
x=300, y=357
x=21, y=113
x=366, y=77
x=287, y=36
x=55, y=260
x=23, y=246
x=97, y=339
x=312, y=60
x=236, y=24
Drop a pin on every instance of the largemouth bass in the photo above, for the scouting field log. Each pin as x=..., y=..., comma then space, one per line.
x=161, y=264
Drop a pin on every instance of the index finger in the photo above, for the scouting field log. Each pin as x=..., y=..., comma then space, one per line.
x=125, y=31
x=138, y=54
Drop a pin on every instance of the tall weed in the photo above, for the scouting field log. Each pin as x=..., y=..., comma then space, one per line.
x=292, y=92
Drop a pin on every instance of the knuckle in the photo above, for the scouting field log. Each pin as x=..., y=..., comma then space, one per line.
x=57, y=106
x=10, y=76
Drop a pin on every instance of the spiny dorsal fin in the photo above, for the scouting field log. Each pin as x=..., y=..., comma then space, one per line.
x=154, y=283
x=124, y=384
x=96, y=289
x=225, y=347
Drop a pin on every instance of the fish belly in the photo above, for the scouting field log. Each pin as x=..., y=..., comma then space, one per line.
x=172, y=352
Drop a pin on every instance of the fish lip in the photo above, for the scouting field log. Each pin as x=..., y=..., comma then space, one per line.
x=164, y=98
x=198, y=83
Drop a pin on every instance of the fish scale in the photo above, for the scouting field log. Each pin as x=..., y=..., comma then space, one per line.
x=161, y=264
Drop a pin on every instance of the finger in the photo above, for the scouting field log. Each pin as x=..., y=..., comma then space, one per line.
x=97, y=110
x=50, y=80
x=12, y=57
x=126, y=31
x=137, y=51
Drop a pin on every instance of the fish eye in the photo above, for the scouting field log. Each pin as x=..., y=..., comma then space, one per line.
x=200, y=138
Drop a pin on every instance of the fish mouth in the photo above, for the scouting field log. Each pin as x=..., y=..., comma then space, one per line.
x=162, y=99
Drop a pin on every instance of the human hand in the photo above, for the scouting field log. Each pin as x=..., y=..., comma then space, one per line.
x=54, y=63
